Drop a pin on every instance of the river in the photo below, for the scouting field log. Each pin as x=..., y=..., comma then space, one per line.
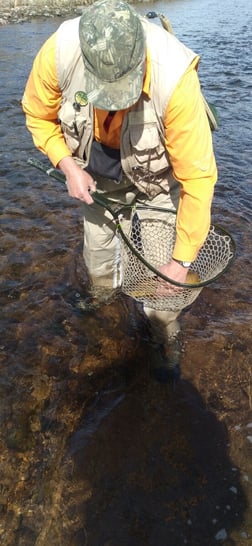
x=94, y=452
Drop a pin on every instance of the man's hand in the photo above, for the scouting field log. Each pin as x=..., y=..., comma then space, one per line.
x=79, y=183
x=174, y=271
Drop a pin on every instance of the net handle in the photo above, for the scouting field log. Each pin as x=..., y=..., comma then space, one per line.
x=116, y=209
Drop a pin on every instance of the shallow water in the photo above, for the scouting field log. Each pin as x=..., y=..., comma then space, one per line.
x=93, y=450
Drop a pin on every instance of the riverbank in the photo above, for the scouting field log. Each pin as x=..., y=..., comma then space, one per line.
x=20, y=14
x=19, y=11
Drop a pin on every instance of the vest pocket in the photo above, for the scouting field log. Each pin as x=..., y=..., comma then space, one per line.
x=73, y=125
x=147, y=148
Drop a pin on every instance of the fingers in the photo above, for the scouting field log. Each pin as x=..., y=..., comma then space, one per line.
x=80, y=186
x=165, y=288
x=78, y=192
x=79, y=183
x=173, y=271
x=86, y=198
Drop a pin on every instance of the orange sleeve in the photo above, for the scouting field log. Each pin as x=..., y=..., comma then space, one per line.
x=41, y=103
x=189, y=144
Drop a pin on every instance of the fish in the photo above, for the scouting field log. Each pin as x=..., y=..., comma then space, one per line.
x=149, y=287
x=192, y=277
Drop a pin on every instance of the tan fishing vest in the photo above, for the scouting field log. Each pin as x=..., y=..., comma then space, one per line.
x=143, y=153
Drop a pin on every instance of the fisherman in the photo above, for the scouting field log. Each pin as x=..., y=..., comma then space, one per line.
x=115, y=103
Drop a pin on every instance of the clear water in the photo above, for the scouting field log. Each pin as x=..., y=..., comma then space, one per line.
x=93, y=451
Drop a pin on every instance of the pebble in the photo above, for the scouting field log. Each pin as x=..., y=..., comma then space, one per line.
x=244, y=535
x=221, y=535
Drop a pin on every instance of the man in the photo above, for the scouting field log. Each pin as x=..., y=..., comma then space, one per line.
x=114, y=101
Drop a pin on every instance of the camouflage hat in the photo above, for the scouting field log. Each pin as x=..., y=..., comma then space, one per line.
x=113, y=49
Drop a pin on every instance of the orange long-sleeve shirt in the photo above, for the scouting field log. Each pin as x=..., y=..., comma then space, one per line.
x=187, y=136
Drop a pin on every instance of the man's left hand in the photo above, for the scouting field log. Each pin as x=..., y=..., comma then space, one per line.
x=174, y=271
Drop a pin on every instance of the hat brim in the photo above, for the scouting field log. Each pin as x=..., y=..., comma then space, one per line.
x=116, y=95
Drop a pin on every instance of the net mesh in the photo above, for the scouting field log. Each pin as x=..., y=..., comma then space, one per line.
x=154, y=241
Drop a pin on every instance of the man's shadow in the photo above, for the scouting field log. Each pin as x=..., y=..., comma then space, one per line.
x=154, y=471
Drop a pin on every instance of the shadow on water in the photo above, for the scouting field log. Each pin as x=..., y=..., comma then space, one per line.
x=157, y=472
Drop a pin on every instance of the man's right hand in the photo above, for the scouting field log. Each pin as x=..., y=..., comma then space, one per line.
x=79, y=183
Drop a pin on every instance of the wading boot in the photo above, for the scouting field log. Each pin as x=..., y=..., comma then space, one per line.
x=165, y=361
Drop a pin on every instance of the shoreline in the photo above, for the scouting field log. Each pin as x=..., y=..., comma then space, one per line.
x=10, y=14
x=22, y=14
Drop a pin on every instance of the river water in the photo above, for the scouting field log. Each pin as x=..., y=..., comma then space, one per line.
x=94, y=451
